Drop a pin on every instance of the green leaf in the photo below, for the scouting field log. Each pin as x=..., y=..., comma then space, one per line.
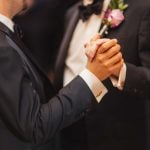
x=118, y=4
x=125, y=6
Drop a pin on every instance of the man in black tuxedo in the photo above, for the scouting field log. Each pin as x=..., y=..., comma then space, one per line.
x=121, y=122
x=30, y=113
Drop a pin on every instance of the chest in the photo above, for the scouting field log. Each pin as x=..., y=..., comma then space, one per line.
x=37, y=77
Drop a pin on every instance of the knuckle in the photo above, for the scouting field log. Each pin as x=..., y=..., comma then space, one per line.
x=118, y=47
x=105, y=64
x=119, y=55
x=119, y=65
x=103, y=47
x=99, y=59
x=113, y=42
x=115, y=49
x=110, y=70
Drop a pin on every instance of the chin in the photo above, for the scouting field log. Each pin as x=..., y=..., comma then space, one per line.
x=30, y=3
x=25, y=10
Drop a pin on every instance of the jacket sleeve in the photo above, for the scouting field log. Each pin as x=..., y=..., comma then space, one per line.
x=138, y=77
x=20, y=105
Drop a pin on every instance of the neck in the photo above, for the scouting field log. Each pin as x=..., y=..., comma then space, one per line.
x=87, y=2
x=6, y=9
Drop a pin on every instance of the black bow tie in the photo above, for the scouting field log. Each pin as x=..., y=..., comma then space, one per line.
x=18, y=31
x=87, y=11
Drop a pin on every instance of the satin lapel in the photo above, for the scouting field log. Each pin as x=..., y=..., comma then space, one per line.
x=21, y=45
x=63, y=50
x=26, y=51
x=4, y=29
x=23, y=49
x=29, y=55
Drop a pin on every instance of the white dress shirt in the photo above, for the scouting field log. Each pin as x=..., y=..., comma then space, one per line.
x=76, y=59
x=7, y=22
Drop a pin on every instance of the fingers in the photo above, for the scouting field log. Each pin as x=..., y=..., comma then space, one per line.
x=110, y=61
x=114, y=60
x=99, y=42
x=113, y=51
x=106, y=46
x=117, y=66
x=91, y=50
x=110, y=53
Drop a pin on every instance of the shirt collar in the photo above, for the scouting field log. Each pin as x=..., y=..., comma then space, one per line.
x=7, y=22
x=87, y=2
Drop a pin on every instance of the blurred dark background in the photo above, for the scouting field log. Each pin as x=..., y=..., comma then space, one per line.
x=42, y=28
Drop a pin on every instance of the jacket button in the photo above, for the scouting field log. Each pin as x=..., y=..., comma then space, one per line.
x=34, y=91
x=135, y=90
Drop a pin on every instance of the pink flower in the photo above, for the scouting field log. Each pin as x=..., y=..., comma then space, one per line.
x=107, y=13
x=116, y=17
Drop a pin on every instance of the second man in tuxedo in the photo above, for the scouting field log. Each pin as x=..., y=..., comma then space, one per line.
x=121, y=122
x=31, y=112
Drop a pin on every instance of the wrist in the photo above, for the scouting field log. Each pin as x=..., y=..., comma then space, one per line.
x=98, y=75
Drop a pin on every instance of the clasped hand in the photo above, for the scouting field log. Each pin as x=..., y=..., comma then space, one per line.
x=104, y=57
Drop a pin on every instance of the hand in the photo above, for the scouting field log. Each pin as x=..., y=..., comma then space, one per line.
x=115, y=50
x=108, y=60
x=92, y=46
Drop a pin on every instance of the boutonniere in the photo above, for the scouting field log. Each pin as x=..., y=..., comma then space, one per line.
x=113, y=16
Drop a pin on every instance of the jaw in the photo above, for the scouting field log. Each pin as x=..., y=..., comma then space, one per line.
x=27, y=4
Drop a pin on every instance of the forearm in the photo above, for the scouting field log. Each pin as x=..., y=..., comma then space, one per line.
x=36, y=122
x=74, y=101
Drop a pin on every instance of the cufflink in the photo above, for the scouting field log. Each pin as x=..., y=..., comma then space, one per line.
x=99, y=94
x=135, y=90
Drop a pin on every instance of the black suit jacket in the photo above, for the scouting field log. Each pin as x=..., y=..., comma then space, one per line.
x=121, y=122
x=29, y=116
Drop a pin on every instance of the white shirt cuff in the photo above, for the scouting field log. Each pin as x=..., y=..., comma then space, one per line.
x=95, y=85
x=119, y=83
